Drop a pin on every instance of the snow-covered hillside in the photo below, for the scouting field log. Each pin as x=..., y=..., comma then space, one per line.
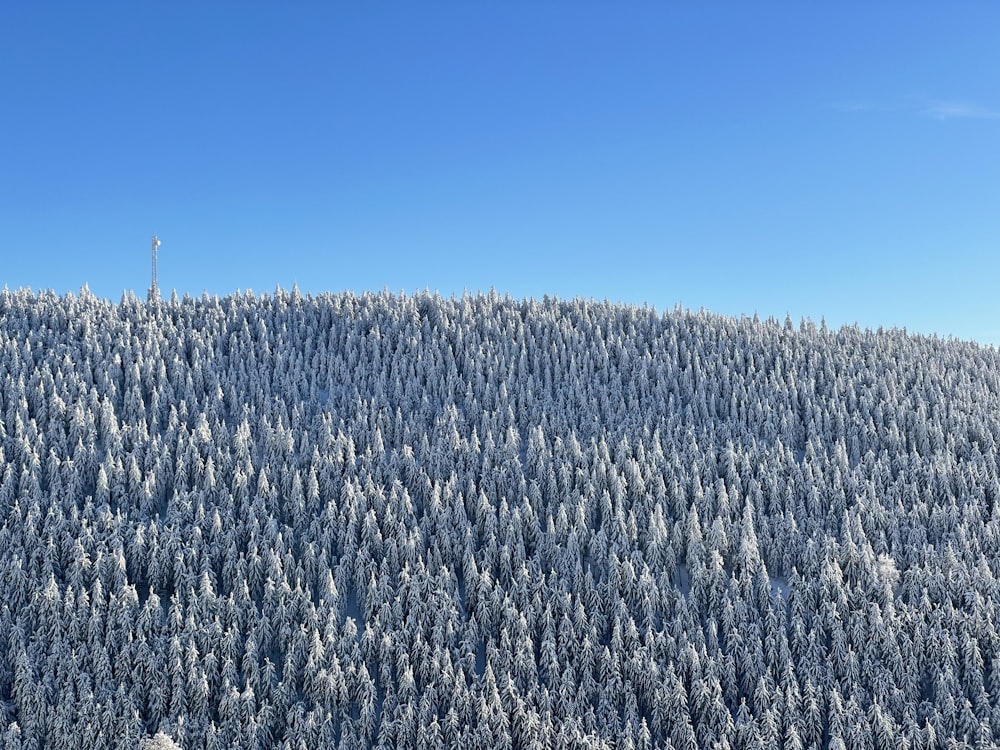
x=277, y=521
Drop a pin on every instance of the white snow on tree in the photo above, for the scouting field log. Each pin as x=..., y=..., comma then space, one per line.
x=159, y=741
x=389, y=521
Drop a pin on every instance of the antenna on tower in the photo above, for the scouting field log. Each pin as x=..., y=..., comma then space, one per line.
x=154, y=290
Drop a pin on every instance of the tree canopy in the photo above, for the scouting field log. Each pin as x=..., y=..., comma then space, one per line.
x=407, y=521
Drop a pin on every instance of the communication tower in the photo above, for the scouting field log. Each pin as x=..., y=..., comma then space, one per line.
x=154, y=290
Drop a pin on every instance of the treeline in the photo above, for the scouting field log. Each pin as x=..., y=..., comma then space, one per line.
x=391, y=521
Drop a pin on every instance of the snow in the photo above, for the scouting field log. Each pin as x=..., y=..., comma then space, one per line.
x=323, y=498
x=779, y=586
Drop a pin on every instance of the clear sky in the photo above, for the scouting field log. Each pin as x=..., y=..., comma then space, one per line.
x=837, y=160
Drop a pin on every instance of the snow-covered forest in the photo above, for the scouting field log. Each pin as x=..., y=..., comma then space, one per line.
x=407, y=521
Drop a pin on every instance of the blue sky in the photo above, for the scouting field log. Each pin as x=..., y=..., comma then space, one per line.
x=837, y=160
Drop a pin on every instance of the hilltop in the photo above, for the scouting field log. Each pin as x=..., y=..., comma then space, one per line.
x=379, y=520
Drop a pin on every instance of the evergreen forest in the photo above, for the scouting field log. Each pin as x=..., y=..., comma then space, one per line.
x=395, y=521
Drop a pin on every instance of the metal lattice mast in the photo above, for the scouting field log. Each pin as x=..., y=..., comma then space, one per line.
x=154, y=290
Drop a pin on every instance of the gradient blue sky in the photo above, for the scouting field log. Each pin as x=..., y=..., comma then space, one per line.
x=838, y=159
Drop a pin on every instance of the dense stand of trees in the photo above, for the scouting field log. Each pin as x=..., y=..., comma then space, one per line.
x=355, y=521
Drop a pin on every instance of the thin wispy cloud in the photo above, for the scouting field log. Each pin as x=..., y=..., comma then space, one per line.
x=959, y=111
x=934, y=109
